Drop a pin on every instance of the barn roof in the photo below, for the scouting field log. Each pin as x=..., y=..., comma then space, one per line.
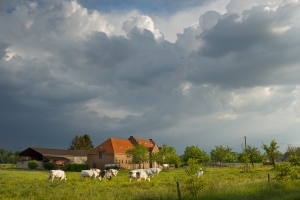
x=56, y=152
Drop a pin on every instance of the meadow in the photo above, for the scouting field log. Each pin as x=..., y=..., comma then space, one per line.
x=220, y=183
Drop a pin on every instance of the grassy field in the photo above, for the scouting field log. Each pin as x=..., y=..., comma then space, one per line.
x=221, y=183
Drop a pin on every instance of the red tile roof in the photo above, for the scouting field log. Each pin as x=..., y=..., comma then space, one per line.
x=117, y=145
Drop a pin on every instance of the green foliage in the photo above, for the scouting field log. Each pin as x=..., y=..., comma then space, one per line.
x=294, y=160
x=220, y=154
x=193, y=184
x=50, y=166
x=272, y=151
x=166, y=155
x=285, y=171
x=250, y=155
x=139, y=154
x=195, y=153
x=76, y=167
x=8, y=157
x=33, y=164
x=81, y=143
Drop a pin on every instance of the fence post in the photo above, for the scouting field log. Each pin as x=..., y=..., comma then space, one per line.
x=178, y=190
x=269, y=179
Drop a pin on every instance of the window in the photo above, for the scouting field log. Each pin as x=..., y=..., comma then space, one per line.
x=100, y=154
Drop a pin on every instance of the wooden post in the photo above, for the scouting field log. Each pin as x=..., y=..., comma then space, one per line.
x=269, y=178
x=178, y=190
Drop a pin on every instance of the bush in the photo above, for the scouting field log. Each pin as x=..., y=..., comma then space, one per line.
x=33, y=164
x=75, y=167
x=285, y=171
x=50, y=166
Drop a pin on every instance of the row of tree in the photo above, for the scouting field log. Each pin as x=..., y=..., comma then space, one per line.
x=8, y=157
x=220, y=154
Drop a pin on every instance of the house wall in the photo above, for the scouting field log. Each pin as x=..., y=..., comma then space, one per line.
x=24, y=164
x=124, y=162
x=95, y=162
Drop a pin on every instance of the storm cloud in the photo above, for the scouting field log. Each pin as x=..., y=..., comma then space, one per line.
x=68, y=68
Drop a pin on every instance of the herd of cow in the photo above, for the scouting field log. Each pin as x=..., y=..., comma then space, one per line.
x=94, y=173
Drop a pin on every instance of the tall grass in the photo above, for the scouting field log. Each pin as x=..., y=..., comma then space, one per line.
x=221, y=183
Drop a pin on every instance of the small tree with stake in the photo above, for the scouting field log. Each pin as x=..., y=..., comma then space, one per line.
x=192, y=183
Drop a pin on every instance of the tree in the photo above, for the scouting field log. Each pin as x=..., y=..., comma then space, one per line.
x=139, y=154
x=193, y=152
x=272, y=151
x=291, y=150
x=81, y=143
x=8, y=157
x=166, y=155
x=220, y=154
x=192, y=183
x=251, y=155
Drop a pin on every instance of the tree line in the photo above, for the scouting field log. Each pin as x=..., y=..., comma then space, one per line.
x=167, y=154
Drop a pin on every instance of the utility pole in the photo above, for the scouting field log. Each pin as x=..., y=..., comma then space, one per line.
x=245, y=141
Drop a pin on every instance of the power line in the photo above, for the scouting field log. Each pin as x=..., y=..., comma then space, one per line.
x=269, y=141
x=224, y=143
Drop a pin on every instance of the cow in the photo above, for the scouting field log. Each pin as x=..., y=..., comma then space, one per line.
x=132, y=174
x=148, y=171
x=57, y=174
x=97, y=170
x=89, y=173
x=106, y=174
x=141, y=174
x=199, y=172
x=155, y=170
x=166, y=166
x=114, y=172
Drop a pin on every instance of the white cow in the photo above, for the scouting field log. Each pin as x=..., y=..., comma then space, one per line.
x=148, y=171
x=141, y=174
x=200, y=172
x=132, y=174
x=155, y=170
x=57, y=174
x=106, y=174
x=89, y=173
x=97, y=170
x=166, y=166
x=114, y=172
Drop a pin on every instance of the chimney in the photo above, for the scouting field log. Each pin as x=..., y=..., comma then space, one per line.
x=152, y=141
x=132, y=140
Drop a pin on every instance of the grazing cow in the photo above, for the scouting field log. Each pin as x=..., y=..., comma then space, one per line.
x=141, y=174
x=89, y=173
x=166, y=166
x=97, y=170
x=199, y=172
x=132, y=174
x=106, y=174
x=155, y=170
x=114, y=172
x=148, y=171
x=57, y=174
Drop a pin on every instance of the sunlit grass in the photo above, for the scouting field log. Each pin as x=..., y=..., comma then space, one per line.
x=221, y=183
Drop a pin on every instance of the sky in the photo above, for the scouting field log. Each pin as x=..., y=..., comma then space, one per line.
x=183, y=73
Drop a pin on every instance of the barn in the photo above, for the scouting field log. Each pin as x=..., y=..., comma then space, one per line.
x=58, y=156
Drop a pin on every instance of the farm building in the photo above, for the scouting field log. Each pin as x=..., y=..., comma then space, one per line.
x=58, y=156
x=112, y=152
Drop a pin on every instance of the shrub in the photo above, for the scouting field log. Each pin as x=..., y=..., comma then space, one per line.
x=75, y=167
x=50, y=166
x=285, y=171
x=33, y=164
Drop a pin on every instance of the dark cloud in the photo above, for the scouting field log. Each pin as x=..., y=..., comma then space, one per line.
x=63, y=73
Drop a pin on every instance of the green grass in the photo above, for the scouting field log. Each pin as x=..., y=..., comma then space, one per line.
x=221, y=183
